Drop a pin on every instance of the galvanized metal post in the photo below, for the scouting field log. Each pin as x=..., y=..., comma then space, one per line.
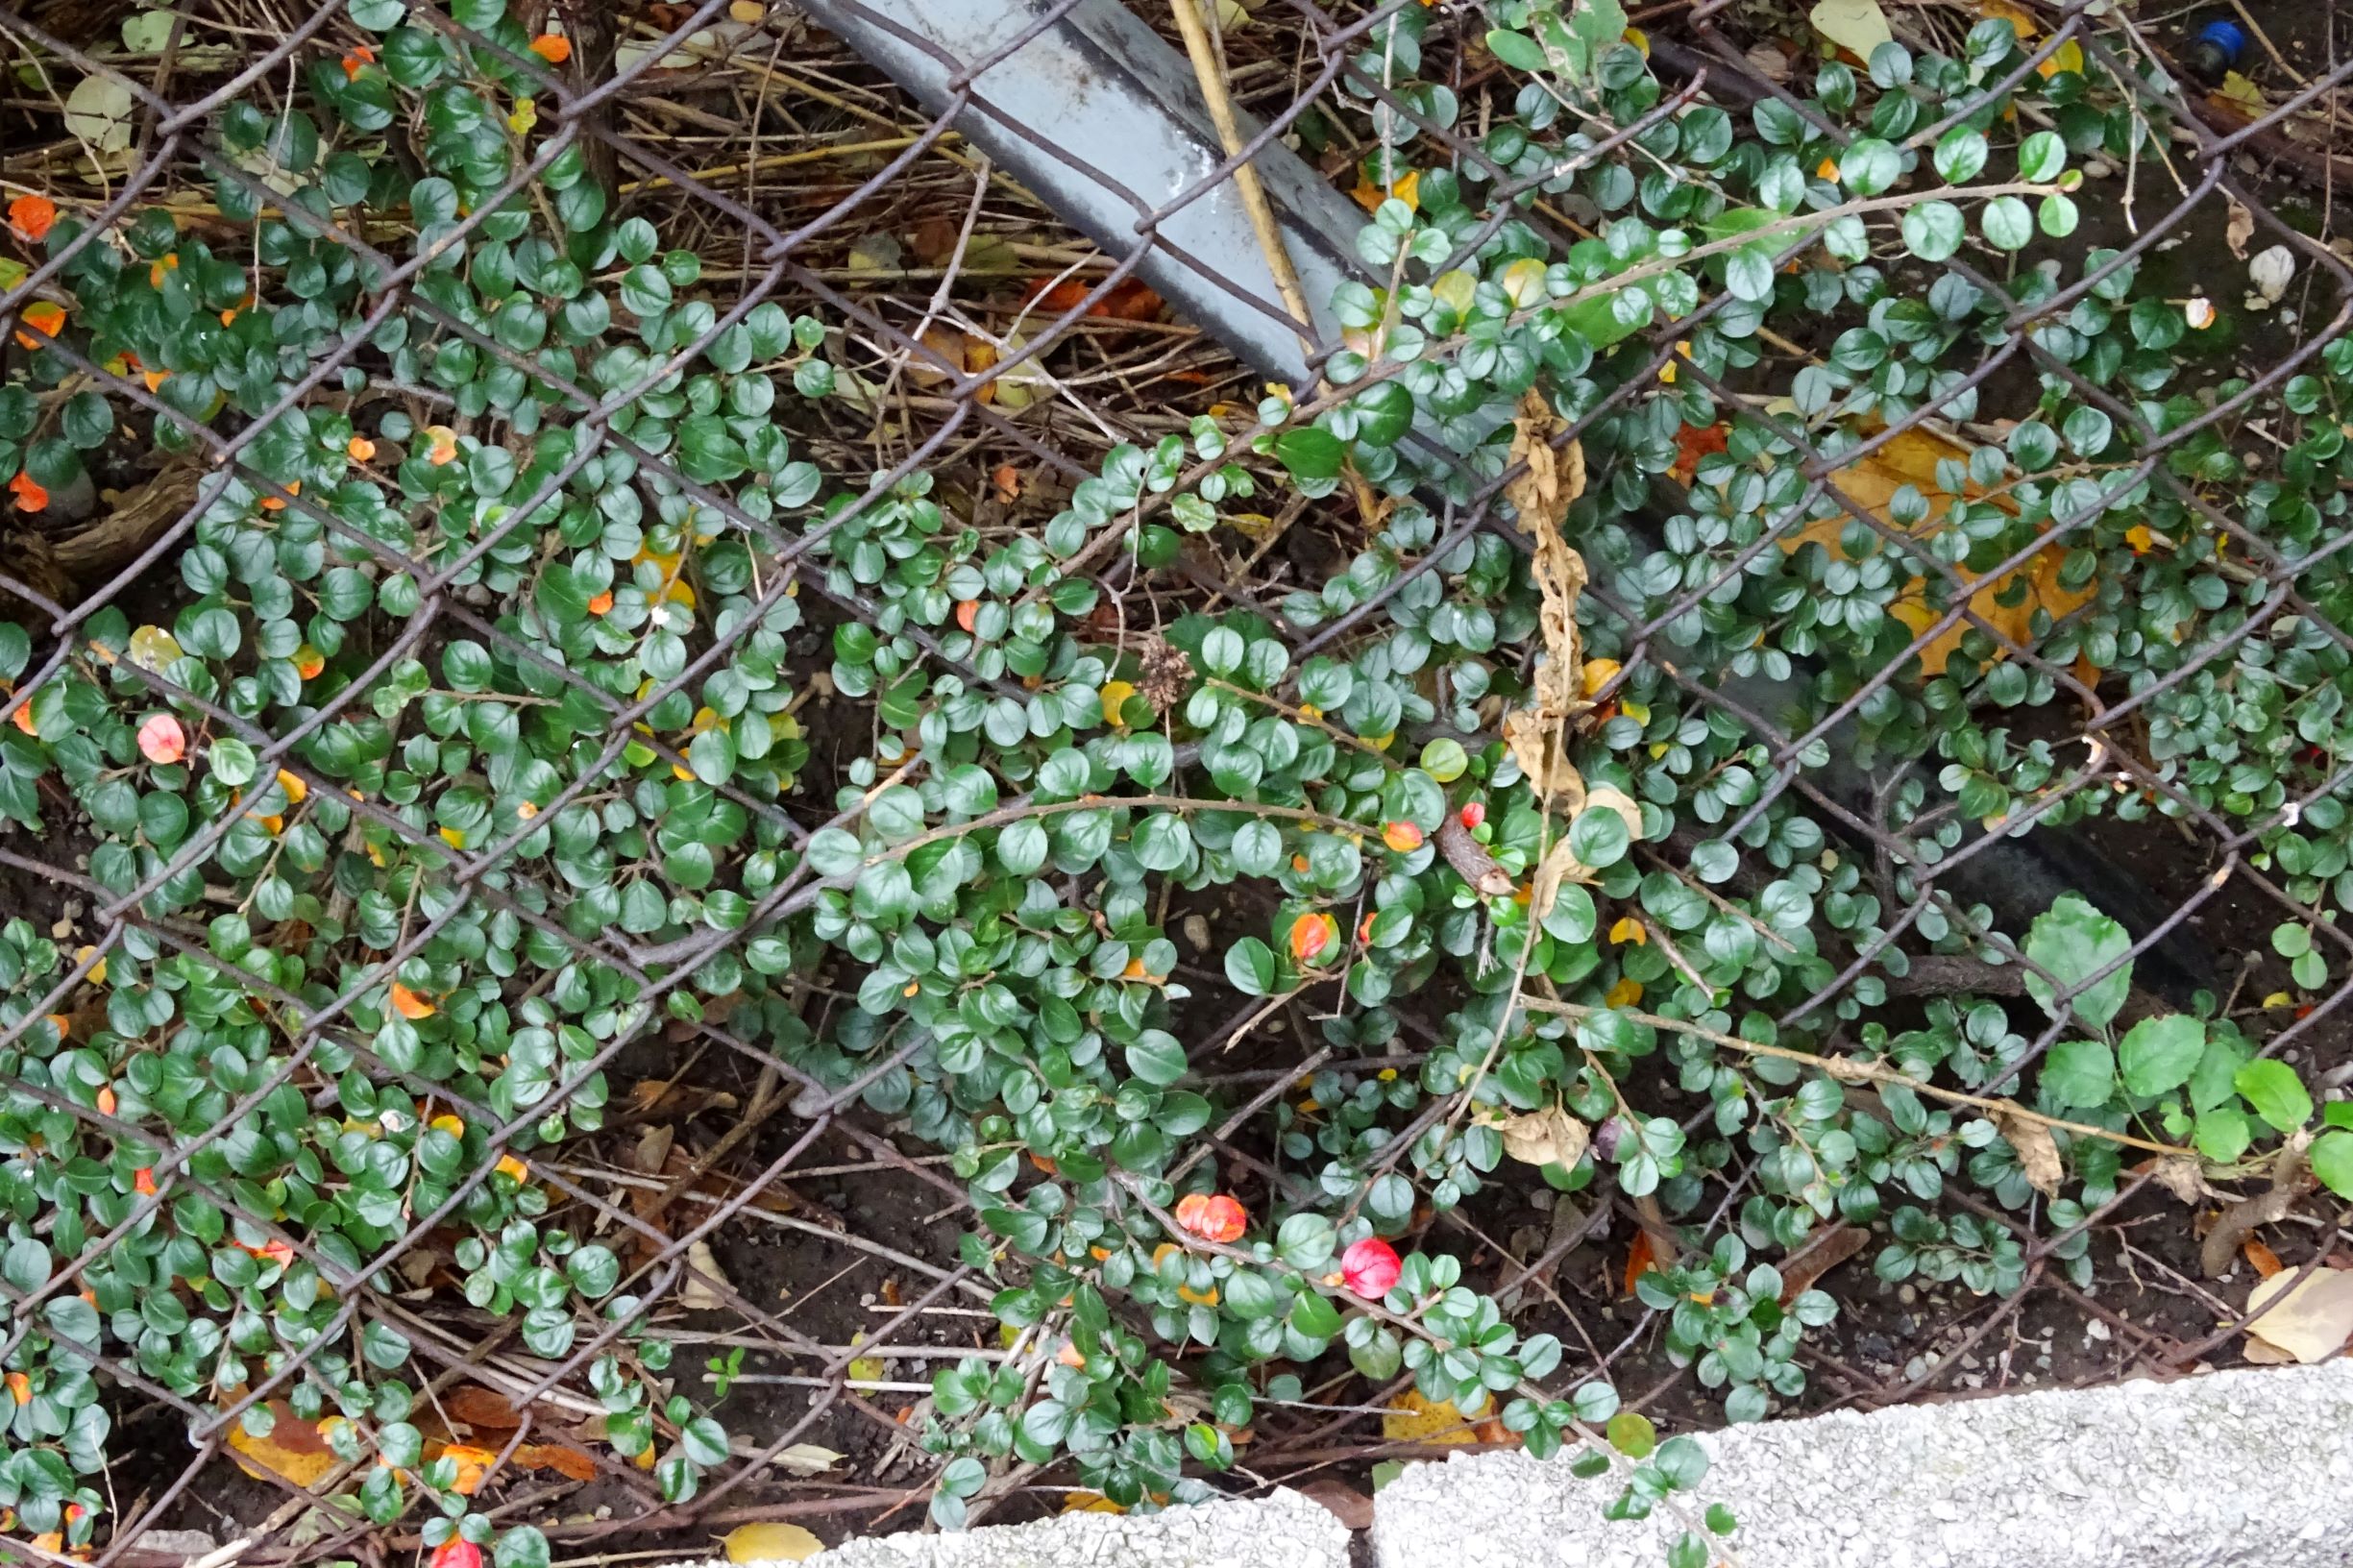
x=1099, y=116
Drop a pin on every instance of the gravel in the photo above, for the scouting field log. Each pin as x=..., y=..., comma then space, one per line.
x=2249, y=1469
x=1282, y=1530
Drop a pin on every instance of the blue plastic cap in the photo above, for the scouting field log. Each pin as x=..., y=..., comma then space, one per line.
x=2227, y=37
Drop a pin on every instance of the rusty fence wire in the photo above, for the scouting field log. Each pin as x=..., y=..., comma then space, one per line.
x=1107, y=375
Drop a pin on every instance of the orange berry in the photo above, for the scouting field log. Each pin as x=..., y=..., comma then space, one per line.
x=1312, y=934
x=161, y=741
x=968, y=613
x=20, y=1387
x=552, y=47
x=602, y=604
x=107, y=1101
x=1402, y=836
x=143, y=1181
x=1218, y=1217
x=28, y=491
x=33, y=216
x=408, y=1004
x=45, y=318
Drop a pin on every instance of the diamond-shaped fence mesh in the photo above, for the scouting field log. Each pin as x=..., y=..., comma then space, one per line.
x=348, y=955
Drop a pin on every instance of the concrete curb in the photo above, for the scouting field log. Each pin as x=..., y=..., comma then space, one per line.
x=2250, y=1469
x=1282, y=1529
x=2226, y=1470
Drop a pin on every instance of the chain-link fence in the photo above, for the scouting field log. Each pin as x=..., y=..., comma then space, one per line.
x=1002, y=310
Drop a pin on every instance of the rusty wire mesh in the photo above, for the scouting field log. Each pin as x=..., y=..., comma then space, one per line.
x=1113, y=379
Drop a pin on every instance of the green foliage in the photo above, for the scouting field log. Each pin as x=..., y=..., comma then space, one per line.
x=621, y=765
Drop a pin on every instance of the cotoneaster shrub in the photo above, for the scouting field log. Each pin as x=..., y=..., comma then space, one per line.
x=326, y=809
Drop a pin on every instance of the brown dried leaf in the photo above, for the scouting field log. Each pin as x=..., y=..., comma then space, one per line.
x=482, y=1408
x=1344, y=1501
x=2240, y=229
x=652, y=1097
x=2181, y=1175
x=1824, y=1252
x=1541, y=495
x=699, y=1291
x=566, y=1461
x=1549, y=1137
x=2038, y=1153
x=806, y=1460
x=1768, y=61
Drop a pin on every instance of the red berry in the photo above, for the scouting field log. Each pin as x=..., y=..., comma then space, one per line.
x=1370, y=1267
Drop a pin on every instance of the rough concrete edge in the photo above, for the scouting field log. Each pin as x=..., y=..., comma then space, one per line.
x=2245, y=1469
x=1281, y=1530
x=2241, y=1469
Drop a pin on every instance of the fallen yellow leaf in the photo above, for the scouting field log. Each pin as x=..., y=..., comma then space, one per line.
x=1857, y=26
x=866, y=1368
x=294, y=1450
x=2021, y=21
x=1911, y=459
x=2307, y=1319
x=1414, y=1419
x=472, y=1464
x=1408, y=190
x=2244, y=93
x=772, y=1543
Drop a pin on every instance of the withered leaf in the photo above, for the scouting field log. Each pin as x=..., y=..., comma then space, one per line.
x=2038, y=1153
